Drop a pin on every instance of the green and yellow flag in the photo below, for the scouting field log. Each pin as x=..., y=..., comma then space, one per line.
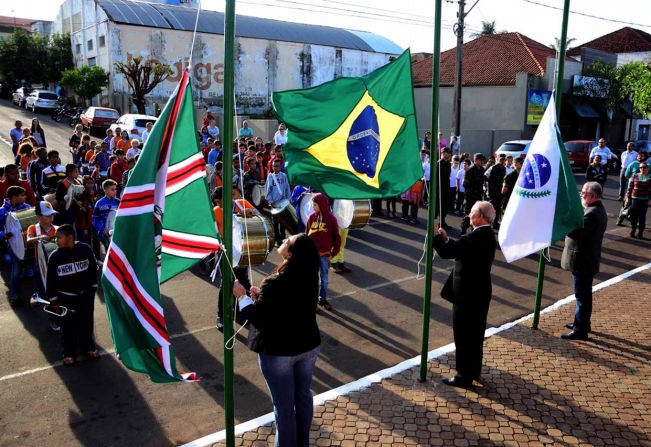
x=353, y=138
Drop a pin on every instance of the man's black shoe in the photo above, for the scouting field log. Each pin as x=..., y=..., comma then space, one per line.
x=457, y=382
x=220, y=327
x=344, y=267
x=570, y=326
x=574, y=335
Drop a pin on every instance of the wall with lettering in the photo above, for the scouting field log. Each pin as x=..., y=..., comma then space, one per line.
x=262, y=66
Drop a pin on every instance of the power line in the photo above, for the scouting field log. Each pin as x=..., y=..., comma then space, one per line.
x=351, y=12
x=588, y=15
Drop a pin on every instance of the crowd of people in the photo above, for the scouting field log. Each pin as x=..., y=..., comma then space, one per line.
x=75, y=204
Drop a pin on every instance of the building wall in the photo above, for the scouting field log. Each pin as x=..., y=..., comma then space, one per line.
x=626, y=58
x=490, y=115
x=262, y=66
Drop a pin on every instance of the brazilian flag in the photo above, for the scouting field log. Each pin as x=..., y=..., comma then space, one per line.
x=353, y=138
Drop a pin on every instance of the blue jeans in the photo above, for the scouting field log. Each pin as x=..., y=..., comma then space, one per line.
x=16, y=270
x=289, y=380
x=583, y=292
x=323, y=275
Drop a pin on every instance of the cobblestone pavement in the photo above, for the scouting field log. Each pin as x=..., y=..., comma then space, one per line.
x=537, y=389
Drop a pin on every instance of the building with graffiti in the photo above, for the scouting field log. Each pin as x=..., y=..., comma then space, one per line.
x=271, y=55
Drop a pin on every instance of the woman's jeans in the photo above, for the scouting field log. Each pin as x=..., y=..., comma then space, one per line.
x=323, y=276
x=289, y=380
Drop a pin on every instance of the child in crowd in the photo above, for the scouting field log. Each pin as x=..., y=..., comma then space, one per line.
x=15, y=201
x=101, y=212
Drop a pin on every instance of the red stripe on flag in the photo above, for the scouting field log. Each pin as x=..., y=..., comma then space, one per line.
x=171, y=122
x=137, y=199
x=199, y=245
x=127, y=196
x=119, y=269
x=198, y=166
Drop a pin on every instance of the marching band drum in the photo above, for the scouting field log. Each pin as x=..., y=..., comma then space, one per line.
x=285, y=213
x=352, y=214
x=17, y=223
x=253, y=239
x=258, y=196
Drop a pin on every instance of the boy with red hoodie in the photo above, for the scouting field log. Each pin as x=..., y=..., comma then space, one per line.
x=323, y=229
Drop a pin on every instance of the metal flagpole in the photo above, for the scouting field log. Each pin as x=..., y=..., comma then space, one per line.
x=433, y=169
x=558, y=95
x=227, y=207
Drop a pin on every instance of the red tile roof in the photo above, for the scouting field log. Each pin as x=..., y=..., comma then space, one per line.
x=489, y=60
x=21, y=23
x=625, y=40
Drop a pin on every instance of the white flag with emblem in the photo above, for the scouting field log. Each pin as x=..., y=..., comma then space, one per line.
x=544, y=205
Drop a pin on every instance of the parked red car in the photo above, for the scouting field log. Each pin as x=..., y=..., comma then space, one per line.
x=578, y=151
x=95, y=118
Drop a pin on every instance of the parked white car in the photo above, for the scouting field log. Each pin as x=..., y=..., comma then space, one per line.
x=134, y=124
x=41, y=99
x=515, y=148
x=20, y=95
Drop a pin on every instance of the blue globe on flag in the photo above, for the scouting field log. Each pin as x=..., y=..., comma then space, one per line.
x=535, y=172
x=363, y=145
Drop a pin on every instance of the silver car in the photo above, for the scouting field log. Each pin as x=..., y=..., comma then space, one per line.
x=20, y=95
x=41, y=99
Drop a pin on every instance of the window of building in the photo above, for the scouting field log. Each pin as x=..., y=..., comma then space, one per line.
x=78, y=48
x=102, y=41
x=90, y=45
x=92, y=61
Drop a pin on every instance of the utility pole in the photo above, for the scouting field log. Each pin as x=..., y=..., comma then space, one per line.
x=458, y=30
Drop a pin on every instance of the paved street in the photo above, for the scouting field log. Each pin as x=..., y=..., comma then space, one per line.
x=375, y=324
x=536, y=389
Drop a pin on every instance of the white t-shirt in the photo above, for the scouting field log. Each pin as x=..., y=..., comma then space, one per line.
x=132, y=152
x=461, y=174
x=508, y=170
x=453, y=175
x=145, y=135
x=280, y=139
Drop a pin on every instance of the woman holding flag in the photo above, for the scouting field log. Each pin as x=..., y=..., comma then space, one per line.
x=286, y=336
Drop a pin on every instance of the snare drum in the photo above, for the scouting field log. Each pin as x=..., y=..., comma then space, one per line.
x=285, y=213
x=253, y=239
x=258, y=195
x=17, y=224
x=352, y=214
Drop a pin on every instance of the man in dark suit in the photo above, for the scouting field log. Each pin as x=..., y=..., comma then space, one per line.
x=582, y=256
x=469, y=288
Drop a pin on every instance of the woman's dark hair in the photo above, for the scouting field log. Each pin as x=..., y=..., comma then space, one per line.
x=304, y=262
x=37, y=127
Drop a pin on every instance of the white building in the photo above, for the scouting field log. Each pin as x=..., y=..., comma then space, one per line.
x=271, y=55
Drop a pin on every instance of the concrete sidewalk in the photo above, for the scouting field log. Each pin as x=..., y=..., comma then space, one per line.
x=537, y=389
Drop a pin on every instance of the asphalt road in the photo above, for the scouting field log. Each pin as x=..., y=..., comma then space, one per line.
x=376, y=323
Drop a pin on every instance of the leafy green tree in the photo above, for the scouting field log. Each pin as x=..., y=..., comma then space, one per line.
x=631, y=81
x=557, y=43
x=142, y=77
x=33, y=58
x=86, y=81
x=487, y=29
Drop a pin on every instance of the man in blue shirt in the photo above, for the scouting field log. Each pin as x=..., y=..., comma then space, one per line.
x=16, y=134
x=214, y=154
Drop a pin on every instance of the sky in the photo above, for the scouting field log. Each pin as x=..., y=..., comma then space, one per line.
x=408, y=23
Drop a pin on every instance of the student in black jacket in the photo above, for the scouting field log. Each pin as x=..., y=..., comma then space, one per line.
x=286, y=336
x=72, y=282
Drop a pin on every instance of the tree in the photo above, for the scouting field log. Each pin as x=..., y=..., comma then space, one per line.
x=33, y=58
x=487, y=29
x=86, y=81
x=557, y=43
x=142, y=77
x=631, y=81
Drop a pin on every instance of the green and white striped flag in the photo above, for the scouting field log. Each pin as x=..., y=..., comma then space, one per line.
x=164, y=226
x=545, y=205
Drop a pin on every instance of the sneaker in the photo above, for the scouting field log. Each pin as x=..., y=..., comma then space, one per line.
x=54, y=326
x=220, y=327
x=336, y=266
x=344, y=268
